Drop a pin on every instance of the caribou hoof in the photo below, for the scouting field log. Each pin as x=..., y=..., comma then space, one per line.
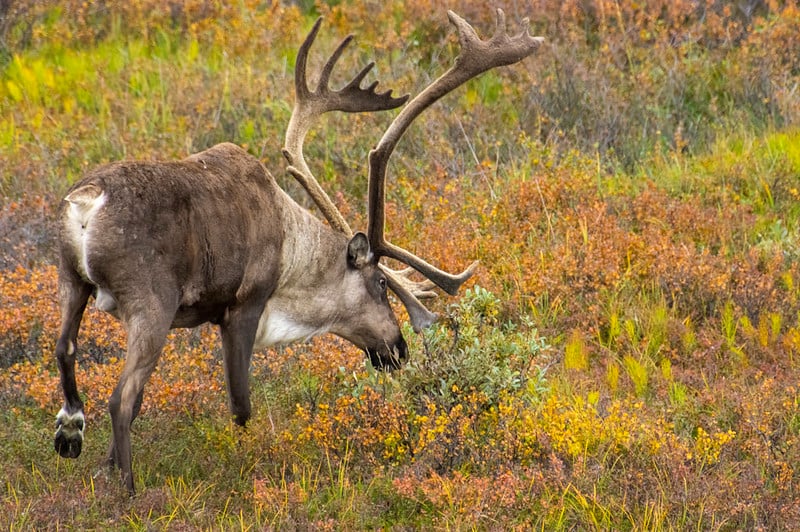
x=69, y=434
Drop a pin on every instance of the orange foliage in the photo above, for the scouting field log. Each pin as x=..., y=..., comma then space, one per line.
x=188, y=378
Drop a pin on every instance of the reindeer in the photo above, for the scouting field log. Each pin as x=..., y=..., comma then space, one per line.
x=213, y=238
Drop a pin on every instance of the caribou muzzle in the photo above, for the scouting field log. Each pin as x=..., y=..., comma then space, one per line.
x=389, y=358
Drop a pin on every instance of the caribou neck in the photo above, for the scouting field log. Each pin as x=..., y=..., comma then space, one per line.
x=306, y=301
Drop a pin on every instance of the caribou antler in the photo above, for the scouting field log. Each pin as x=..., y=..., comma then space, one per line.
x=310, y=105
x=476, y=56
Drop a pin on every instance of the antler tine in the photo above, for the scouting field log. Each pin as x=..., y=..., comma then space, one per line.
x=419, y=315
x=410, y=292
x=421, y=289
x=325, y=75
x=311, y=104
x=300, y=80
x=448, y=282
x=476, y=56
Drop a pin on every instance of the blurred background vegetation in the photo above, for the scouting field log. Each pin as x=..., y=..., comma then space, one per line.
x=628, y=358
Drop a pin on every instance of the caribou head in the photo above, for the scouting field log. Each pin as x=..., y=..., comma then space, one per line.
x=212, y=238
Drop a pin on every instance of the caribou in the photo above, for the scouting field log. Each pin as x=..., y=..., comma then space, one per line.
x=213, y=238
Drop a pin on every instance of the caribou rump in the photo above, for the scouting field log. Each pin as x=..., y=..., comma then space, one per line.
x=213, y=238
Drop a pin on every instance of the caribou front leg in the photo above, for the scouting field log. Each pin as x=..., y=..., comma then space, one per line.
x=73, y=295
x=238, y=330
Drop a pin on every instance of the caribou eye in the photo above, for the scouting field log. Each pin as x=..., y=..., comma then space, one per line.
x=382, y=284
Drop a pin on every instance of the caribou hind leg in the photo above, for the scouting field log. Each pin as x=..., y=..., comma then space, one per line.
x=147, y=332
x=73, y=295
x=113, y=461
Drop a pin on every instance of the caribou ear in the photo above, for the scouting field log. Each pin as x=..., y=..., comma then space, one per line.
x=358, y=252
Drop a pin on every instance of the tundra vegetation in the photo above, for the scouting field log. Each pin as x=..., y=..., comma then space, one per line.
x=627, y=356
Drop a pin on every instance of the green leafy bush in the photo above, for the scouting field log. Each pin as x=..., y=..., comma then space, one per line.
x=475, y=349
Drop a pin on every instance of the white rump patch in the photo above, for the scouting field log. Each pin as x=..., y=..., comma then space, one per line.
x=70, y=425
x=83, y=205
x=275, y=328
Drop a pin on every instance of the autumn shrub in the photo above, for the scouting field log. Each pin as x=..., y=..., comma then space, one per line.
x=27, y=313
x=475, y=350
x=27, y=232
x=443, y=407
